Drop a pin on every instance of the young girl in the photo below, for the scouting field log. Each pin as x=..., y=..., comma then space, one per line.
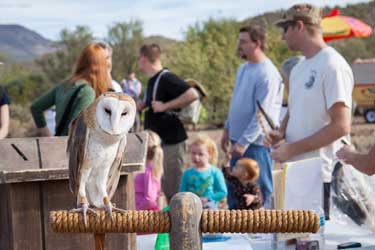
x=147, y=184
x=203, y=178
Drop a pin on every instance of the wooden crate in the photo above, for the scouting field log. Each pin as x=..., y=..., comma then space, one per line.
x=34, y=181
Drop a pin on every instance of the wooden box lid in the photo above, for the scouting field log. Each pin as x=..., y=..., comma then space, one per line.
x=45, y=158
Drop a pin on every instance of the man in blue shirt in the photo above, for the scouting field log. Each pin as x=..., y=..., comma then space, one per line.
x=256, y=79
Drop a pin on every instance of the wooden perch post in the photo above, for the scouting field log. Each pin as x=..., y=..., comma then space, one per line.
x=185, y=215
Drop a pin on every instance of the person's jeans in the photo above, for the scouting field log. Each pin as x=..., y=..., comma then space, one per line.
x=263, y=156
x=174, y=160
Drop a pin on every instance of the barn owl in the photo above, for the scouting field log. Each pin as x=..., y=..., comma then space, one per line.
x=97, y=140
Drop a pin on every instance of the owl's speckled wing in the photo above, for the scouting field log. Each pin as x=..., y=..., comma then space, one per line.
x=77, y=144
x=114, y=172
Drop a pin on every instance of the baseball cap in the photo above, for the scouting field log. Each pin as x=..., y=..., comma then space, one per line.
x=307, y=13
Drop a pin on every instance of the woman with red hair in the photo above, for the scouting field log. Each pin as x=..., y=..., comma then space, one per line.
x=90, y=79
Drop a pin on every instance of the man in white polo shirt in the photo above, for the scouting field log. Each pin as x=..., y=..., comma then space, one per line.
x=320, y=96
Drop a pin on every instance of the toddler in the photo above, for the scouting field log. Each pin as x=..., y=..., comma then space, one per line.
x=243, y=178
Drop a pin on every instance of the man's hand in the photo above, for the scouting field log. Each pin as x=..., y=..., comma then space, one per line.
x=238, y=150
x=140, y=105
x=249, y=198
x=44, y=132
x=282, y=151
x=344, y=153
x=226, y=170
x=204, y=199
x=272, y=138
x=158, y=106
x=227, y=159
x=225, y=142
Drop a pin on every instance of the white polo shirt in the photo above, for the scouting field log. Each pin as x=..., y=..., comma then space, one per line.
x=316, y=84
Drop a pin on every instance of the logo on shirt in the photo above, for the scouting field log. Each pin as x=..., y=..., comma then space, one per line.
x=310, y=83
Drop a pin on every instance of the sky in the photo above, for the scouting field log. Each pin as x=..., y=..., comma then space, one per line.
x=169, y=18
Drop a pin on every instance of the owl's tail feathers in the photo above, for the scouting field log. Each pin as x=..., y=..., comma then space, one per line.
x=99, y=241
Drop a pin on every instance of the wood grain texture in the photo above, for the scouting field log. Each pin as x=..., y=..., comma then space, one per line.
x=50, y=162
x=30, y=189
x=56, y=195
x=53, y=152
x=6, y=227
x=186, y=211
x=25, y=217
x=11, y=160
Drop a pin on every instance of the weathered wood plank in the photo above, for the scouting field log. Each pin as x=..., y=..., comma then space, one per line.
x=18, y=154
x=32, y=175
x=25, y=216
x=53, y=152
x=33, y=181
x=135, y=152
x=54, y=160
x=56, y=196
x=123, y=199
x=6, y=227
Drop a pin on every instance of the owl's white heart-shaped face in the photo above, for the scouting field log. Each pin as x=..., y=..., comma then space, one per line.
x=115, y=116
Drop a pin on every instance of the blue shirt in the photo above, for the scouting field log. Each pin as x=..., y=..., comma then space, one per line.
x=4, y=98
x=209, y=183
x=132, y=88
x=254, y=81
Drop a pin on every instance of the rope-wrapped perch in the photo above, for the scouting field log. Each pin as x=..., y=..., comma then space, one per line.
x=212, y=221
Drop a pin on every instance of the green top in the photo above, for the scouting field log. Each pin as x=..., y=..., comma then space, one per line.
x=60, y=96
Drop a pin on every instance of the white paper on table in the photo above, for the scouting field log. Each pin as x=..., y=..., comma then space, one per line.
x=303, y=188
x=236, y=242
x=304, y=184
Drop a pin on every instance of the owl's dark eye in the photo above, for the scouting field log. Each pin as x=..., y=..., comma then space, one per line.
x=124, y=113
x=107, y=111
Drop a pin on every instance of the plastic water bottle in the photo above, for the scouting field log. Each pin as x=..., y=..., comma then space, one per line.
x=321, y=232
x=162, y=242
x=320, y=236
x=162, y=239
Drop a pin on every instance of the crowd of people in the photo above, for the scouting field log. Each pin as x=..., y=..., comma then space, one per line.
x=319, y=83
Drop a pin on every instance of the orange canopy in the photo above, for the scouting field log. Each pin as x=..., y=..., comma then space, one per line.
x=336, y=26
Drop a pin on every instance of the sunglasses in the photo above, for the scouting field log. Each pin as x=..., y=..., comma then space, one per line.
x=286, y=26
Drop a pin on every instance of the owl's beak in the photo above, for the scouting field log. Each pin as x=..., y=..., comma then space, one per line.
x=115, y=121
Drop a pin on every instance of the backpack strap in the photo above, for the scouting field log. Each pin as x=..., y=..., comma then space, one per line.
x=67, y=111
x=156, y=84
x=1, y=92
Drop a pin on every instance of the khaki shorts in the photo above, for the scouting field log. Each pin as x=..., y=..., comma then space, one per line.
x=174, y=160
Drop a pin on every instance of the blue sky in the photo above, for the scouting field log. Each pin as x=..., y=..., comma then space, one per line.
x=169, y=18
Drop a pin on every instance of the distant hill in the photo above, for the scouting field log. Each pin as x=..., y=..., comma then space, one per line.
x=18, y=43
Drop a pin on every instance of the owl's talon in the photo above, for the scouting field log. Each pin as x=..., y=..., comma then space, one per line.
x=118, y=210
x=84, y=209
x=108, y=208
